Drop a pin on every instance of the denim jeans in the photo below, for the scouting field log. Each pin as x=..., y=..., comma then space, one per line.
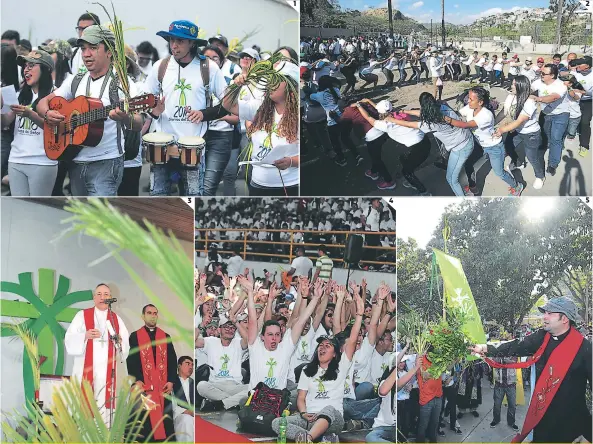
x=555, y=127
x=218, y=153
x=99, y=178
x=532, y=143
x=496, y=155
x=499, y=392
x=381, y=434
x=365, y=390
x=191, y=180
x=456, y=161
x=365, y=410
x=428, y=420
x=319, y=135
x=573, y=124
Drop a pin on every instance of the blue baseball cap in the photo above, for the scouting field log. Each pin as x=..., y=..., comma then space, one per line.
x=183, y=29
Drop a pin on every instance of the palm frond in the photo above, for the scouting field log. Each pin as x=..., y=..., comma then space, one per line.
x=237, y=44
x=30, y=342
x=74, y=419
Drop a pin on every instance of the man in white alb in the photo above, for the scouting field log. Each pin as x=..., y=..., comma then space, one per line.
x=372, y=221
x=88, y=340
x=183, y=387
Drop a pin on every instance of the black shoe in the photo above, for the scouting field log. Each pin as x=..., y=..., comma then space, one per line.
x=493, y=424
x=441, y=432
x=551, y=170
x=476, y=414
x=515, y=427
x=213, y=406
x=458, y=431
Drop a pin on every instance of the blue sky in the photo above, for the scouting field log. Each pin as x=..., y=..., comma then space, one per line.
x=456, y=11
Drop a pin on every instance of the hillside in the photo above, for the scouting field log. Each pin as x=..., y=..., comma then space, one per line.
x=384, y=13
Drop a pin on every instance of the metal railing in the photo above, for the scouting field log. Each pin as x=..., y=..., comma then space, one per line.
x=257, y=248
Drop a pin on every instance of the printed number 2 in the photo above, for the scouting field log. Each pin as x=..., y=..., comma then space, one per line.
x=588, y=3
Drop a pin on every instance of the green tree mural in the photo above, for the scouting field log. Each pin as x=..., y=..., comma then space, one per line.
x=44, y=311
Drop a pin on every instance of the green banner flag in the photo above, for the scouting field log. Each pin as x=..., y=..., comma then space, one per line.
x=458, y=294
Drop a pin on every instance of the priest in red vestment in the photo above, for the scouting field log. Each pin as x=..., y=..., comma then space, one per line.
x=154, y=366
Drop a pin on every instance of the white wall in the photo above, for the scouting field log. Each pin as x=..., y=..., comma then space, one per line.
x=373, y=278
x=232, y=18
x=27, y=229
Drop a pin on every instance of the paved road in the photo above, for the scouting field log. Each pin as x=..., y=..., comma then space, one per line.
x=574, y=176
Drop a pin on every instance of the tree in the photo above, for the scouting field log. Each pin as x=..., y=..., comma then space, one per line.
x=510, y=261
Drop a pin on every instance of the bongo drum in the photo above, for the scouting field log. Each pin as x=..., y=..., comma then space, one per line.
x=191, y=149
x=157, y=145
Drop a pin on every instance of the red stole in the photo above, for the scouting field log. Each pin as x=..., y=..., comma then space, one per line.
x=549, y=380
x=87, y=373
x=154, y=374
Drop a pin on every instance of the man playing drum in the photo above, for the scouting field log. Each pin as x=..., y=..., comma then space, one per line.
x=180, y=78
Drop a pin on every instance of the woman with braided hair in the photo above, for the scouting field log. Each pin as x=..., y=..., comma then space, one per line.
x=275, y=121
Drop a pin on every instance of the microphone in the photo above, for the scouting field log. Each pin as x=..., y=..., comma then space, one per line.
x=110, y=301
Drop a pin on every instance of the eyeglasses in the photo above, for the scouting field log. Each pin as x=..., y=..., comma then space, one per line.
x=546, y=73
x=245, y=56
x=29, y=65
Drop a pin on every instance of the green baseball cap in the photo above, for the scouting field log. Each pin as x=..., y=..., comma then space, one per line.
x=39, y=57
x=96, y=34
x=61, y=46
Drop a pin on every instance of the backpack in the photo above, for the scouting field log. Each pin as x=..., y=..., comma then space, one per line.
x=266, y=405
x=132, y=138
x=204, y=70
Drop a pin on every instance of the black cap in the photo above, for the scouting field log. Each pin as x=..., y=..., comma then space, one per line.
x=221, y=38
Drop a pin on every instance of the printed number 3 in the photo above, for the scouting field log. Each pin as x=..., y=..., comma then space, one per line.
x=189, y=200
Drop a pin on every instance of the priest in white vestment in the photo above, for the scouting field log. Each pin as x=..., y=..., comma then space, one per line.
x=183, y=389
x=79, y=338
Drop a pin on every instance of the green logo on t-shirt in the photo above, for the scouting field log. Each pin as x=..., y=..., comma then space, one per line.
x=181, y=86
x=224, y=371
x=321, y=392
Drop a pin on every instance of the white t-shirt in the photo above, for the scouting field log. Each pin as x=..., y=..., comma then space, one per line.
x=76, y=64
x=387, y=225
x=559, y=105
x=270, y=367
x=498, y=66
x=263, y=144
x=587, y=82
x=529, y=110
x=373, y=220
x=225, y=361
x=514, y=70
x=405, y=136
x=481, y=62
x=235, y=266
x=385, y=418
x=485, y=129
x=378, y=365
x=573, y=106
x=369, y=69
x=107, y=147
x=322, y=393
x=184, y=91
x=528, y=72
x=303, y=352
x=359, y=372
x=27, y=145
x=302, y=265
x=435, y=64
x=392, y=63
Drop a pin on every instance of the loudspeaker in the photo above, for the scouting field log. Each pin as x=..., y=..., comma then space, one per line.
x=353, y=252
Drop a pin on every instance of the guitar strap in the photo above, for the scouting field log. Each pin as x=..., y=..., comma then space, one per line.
x=103, y=86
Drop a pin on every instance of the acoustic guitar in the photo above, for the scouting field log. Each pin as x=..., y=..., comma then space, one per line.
x=83, y=124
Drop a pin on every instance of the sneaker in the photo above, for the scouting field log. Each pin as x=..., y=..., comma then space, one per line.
x=514, y=192
x=583, y=151
x=458, y=431
x=493, y=424
x=470, y=191
x=353, y=425
x=538, y=183
x=371, y=175
x=476, y=414
x=341, y=161
x=441, y=432
x=330, y=437
x=551, y=170
x=407, y=184
x=383, y=185
x=517, y=166
x=515, y=427
x=359, y=159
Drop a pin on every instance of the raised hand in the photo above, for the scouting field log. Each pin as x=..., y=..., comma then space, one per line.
x=318, y=288
x=245, y=284
x=340, y=291
x=226, y=281
x=273, y=292
x=359, y=303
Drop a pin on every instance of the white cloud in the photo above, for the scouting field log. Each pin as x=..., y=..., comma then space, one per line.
x=416, y=5
x=456, y=6
x=366, y=6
